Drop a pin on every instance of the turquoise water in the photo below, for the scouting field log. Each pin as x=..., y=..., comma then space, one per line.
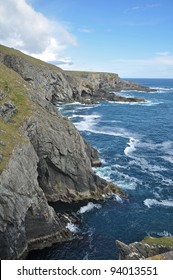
x=135, y=143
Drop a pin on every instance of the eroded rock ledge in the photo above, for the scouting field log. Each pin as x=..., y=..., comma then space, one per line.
x=149, y=248
x=42, y=156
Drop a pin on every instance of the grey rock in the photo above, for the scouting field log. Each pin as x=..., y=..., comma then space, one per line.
x=25, y=216
x=47, y=80
x=140, y=250
x=2, y=93
x=65, y=159
x=7, y=110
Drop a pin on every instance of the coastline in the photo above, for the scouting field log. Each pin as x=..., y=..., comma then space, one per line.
x=51, y=159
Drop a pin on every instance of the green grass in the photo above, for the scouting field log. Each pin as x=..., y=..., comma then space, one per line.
x=13, y=52
x=75, y=72
x=164, y=241
x=15, y=89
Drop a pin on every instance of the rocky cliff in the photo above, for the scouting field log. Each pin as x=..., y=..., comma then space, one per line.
x=42, y=156
x=149, y=248
x=88, y=87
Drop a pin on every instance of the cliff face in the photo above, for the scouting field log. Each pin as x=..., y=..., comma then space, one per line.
x=88, y=87
x=26, y=220
x=42, y=156
x=55, y=85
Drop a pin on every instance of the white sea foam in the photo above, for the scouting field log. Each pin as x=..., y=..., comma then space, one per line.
x=72, y=227
x=162, y=90
x=167, y=181
x=164, y=233
x=90, y=206
x=154, y=202
x=123, y=180
x=104, y=172
x=115, y=197
x=87, y=123
x=127, y=185
x=150, y=103
x=131, y=146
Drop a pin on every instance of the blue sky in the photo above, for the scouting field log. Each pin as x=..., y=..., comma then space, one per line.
x=130, y=37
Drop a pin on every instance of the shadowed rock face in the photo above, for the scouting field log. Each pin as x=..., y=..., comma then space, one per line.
x=26, y=220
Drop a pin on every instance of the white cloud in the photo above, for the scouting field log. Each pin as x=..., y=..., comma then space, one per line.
x=162, y=53
x=24, y=28
x=85, y=30
x=142, y=8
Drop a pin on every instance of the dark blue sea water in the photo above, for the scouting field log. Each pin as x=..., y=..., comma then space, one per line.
x=135, y=142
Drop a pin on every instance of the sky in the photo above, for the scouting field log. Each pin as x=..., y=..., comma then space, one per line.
x=133, y=38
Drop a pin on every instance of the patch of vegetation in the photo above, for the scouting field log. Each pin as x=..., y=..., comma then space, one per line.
x=164, y=241
x=14, y=89
x=80, y=73
x=13, y=52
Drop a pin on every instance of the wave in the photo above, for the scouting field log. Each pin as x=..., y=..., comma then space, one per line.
x=87, y=208
x=131, y=146
x=72, y=227
x=162, y=89
x=115, y=197
x=146, y=166
x=168, y=158
x=123, y=180
x=154, y=202
x=150, y=103
x=163, y=233
x=147, y=103
x=87, y=123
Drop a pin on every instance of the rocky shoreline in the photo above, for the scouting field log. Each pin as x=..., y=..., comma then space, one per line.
x=43, y=158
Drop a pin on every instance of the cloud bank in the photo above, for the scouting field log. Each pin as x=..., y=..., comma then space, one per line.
x=24, y=28
x=160, y=65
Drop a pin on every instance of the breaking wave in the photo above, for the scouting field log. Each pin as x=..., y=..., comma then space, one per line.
x=154, y=202
x=72, y=227
x=87, y=208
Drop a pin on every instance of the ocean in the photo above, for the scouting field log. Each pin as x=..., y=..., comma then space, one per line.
x=135, y=143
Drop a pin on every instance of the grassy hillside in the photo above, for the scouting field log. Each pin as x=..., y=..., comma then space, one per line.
x=13, y=52
x=13, y=88
x=163, y=241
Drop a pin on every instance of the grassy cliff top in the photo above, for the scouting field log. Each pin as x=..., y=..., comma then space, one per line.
x=163, y=241
x=77, y=72
x=14, y=89
x=13, y=52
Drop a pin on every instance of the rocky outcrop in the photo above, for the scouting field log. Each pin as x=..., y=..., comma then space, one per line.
x=89, y=87
x=55, y=85
x=149, y=248
x=7, y=111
